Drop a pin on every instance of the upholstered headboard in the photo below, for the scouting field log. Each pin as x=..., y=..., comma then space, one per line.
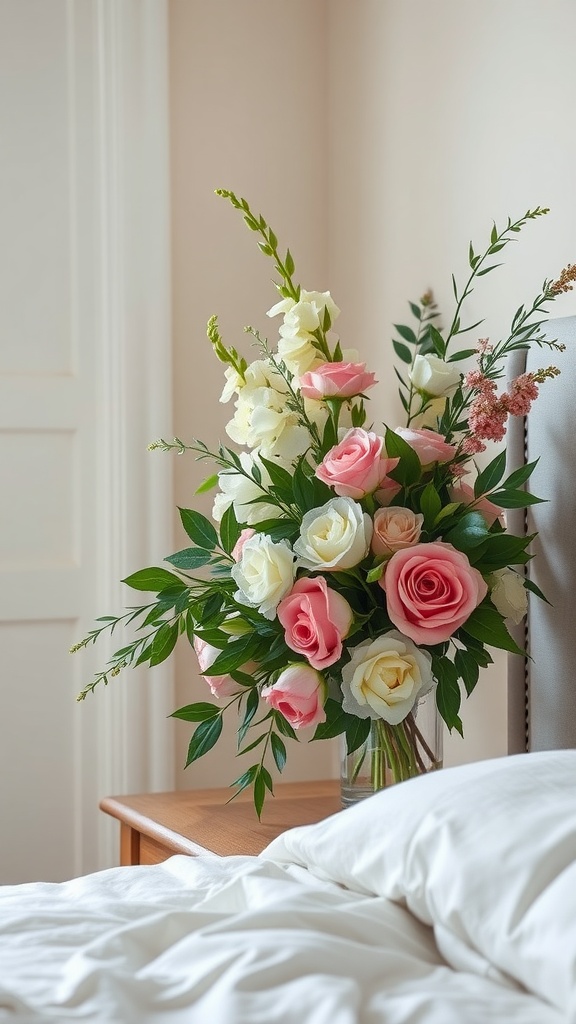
x=542, y=688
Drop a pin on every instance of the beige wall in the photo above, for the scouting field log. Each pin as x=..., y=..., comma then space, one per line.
x=249, y=112
x=377, y=137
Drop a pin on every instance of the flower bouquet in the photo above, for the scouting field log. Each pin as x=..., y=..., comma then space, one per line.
x=352, y=570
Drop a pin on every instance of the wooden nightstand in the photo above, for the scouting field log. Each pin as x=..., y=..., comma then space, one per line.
x=154, y=826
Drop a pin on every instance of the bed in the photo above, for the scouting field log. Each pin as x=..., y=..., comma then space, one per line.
x=448, y=899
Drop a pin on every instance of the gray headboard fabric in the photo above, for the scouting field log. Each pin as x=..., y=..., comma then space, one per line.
x=542, y=687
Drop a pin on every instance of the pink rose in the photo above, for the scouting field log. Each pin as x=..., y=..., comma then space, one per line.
x=336, y=380
x=395, y=528
x=431, y=590
x=220, y=686
x=428, y=445
x=463, y=492
x=244, y=536
x=298, y=694
x=355, y=467
x=316, y=619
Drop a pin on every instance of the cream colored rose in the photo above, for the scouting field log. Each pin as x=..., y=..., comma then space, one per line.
x=508, y=594
x=434, y=376
x=335, y=536
x=385, y=677
x=264, y=574
x=394, y=528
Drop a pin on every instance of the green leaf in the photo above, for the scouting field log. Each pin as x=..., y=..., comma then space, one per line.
x=487, y=270
x=163, y=643
x=408, y=469
x=252, y=702
x=259, y=792
x=153, y=579
x=504, y=549
x=208, y=484
x=470, y=531
x=468, y=669
x=278, y=751
x=303, y=489
x=448, y=696
x=437, y=341
x=235, y=655
x=336, y=721
x=374, y=575
x=407, y=333
x=189, y=558
x=230, y=529
x=279, y=476
x=416, y=311
x=486, y=624
x=199, y=712
x=205, y=737
x=464, y=353
x=491, y=475
x=284, y=727
x=402, y=351
x=531, y=586
x=521, y=475
x=357, y=731
x=198, y=528
x=430, y=503
x=278, y=529
x=515, y=499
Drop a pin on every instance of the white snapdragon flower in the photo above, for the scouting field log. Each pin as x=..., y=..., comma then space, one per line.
x=240, y=491
x=434, y=376
x=508, y=594
x=296, y=345
x=335, y=536
x=260, y=373
x=264, y=574
x=262, y=420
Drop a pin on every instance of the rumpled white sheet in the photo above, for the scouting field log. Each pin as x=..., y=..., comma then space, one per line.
x=236, y=940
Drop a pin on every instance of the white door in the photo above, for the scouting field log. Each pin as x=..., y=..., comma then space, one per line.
x=84, y=386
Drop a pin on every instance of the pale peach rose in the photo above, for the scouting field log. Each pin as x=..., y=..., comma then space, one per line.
x=395, y=528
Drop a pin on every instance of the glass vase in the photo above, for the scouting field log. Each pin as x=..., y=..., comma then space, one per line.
x=393, y=753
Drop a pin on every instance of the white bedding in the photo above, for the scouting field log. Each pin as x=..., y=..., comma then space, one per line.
x=335, y=923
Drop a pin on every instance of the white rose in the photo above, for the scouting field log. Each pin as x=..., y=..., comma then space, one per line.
x=264, y=574
x=508, y=594
x=385, y=677
x=432, y=375
x=335, y=536
x=240, y=491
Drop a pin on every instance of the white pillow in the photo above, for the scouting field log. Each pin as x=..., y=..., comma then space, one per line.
x=485, y=853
